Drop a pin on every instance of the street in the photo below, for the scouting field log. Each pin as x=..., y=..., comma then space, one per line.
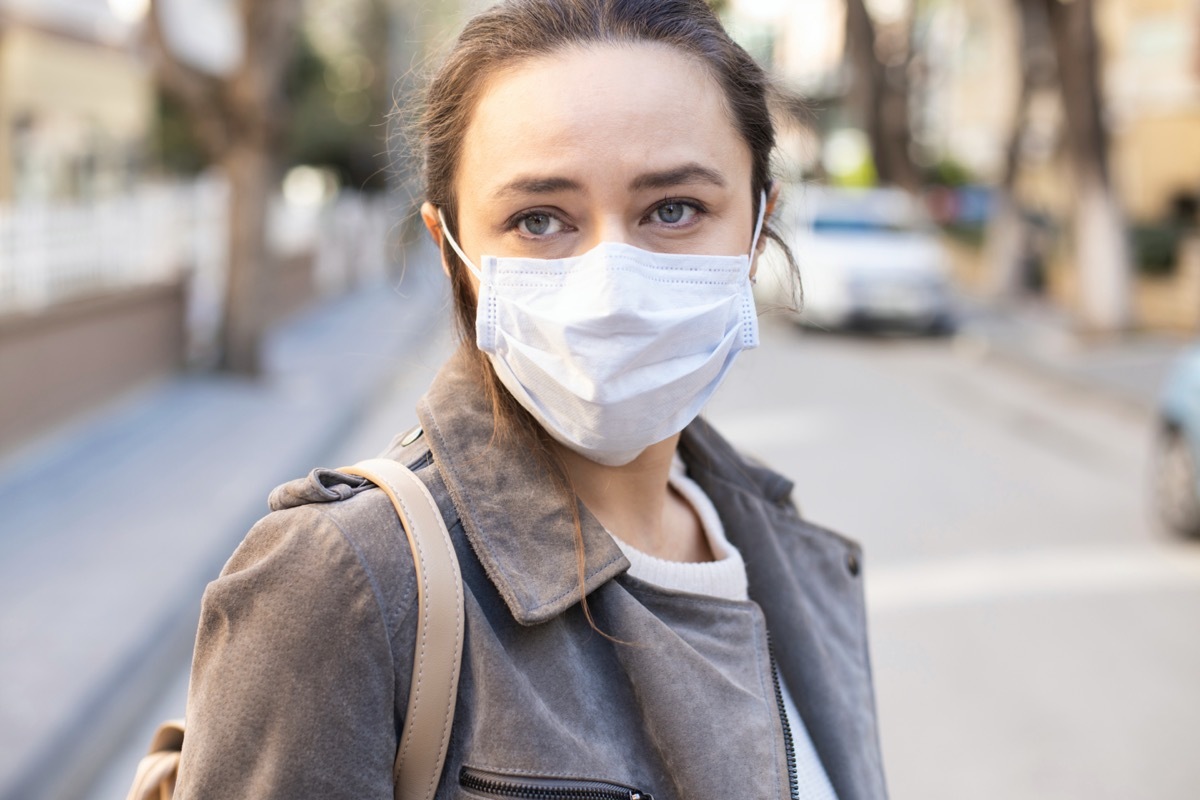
x=1031, y=629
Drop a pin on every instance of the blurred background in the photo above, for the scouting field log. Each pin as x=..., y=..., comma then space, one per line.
x=212, y=280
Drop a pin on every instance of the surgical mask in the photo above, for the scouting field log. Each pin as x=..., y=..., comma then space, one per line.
x=618, y=348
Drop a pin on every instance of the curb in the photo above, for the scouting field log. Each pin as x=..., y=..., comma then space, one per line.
x=69, y=762
x=992, y=349
x=1041, y=340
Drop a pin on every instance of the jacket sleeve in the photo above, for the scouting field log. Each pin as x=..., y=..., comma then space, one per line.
x=293, y=688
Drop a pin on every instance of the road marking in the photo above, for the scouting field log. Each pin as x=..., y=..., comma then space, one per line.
x=1044, y=573
x=772, y=428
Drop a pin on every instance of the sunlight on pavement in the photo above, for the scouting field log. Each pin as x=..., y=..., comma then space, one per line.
x=1038, y=574
x=775, y=427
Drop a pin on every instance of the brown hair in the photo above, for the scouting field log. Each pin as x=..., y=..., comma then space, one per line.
x=518, y=30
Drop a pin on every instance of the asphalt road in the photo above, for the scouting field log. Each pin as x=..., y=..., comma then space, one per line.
x=1032, y=631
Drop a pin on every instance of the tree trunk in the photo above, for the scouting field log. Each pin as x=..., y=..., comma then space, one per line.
x=1102, y=254
x=239, y=118
x=247, y=299
x=881, y=93
x=1100, y=245
x=1005, y=247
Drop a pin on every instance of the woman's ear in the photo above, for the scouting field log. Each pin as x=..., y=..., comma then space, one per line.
x=429, y=216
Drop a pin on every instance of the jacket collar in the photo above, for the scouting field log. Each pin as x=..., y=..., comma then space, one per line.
x=516, y=518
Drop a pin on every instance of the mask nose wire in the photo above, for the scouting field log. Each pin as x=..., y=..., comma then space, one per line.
x=458, y=250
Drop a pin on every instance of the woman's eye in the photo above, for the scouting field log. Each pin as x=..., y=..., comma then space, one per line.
x=675, y=213
x=538, y=224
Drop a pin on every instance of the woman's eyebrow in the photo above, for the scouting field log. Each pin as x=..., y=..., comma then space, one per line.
x=687, y=173
x=537, y=185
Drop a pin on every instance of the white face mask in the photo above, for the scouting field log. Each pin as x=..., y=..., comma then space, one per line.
x=618, y=348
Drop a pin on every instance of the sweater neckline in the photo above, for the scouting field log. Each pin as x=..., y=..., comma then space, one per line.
x=724, y=577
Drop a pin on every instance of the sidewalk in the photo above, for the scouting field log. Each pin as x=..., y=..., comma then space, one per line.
x=1130, y=370
x=110, y=532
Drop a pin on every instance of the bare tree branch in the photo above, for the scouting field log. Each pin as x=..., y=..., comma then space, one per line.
x=199, y=94
x=881, y=92
x=256, y=90
x=1077, y=47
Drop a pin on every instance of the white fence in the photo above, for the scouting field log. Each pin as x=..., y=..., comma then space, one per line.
x=54, y=253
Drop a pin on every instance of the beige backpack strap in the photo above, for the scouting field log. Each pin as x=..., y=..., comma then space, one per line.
x=155, y=778
x=440, y=629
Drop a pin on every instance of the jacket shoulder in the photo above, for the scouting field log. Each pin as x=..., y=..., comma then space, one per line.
x=307, y=637
x=329, y=511
x=345, y=552
x=301, y=640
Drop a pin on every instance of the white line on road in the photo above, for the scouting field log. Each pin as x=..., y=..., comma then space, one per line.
x=773, y=428
x=1003, y=576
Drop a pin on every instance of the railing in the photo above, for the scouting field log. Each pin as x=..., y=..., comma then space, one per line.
x=53, y=253
x=50, y=254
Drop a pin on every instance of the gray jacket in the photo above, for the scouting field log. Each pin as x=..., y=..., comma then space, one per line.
x=304, y=652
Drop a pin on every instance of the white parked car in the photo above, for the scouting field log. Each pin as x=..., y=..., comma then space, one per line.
x=868, y=258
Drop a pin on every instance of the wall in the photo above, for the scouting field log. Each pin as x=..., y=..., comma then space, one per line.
x=1152, y=84
x=76, y=356
x=1155, y=158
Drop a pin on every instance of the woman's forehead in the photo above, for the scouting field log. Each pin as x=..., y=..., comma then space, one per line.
x=611, y=112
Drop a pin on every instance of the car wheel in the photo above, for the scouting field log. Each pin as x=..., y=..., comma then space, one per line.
x=1175, y=485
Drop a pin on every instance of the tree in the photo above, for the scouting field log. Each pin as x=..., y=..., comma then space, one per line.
x=1059, y=47
x=239, y=118
x=880, y=91
x=1008, y=231
x=339, y=89
x=1100, y=245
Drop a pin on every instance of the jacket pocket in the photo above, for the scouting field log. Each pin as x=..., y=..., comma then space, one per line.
x=540, y=787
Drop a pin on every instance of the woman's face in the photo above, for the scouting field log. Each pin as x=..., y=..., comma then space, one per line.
x=621, y=143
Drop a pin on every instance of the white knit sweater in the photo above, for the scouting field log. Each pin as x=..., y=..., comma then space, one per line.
x=726, y=578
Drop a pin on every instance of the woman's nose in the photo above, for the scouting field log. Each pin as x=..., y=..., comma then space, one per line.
x=611, y=228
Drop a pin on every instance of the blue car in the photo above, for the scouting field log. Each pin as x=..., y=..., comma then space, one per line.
x=1176, y=477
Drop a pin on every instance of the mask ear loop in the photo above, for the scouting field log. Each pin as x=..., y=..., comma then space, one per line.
x=758, y=226
x=458, y=250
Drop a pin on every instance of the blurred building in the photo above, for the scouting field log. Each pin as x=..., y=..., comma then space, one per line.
x=1150, y=51
x=1152, y=74
x=76, y=102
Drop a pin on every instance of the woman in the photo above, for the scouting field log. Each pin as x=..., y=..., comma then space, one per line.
x=597, y=179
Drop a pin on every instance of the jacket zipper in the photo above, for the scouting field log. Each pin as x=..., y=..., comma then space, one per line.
x=536, y=788
x=788, y=747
